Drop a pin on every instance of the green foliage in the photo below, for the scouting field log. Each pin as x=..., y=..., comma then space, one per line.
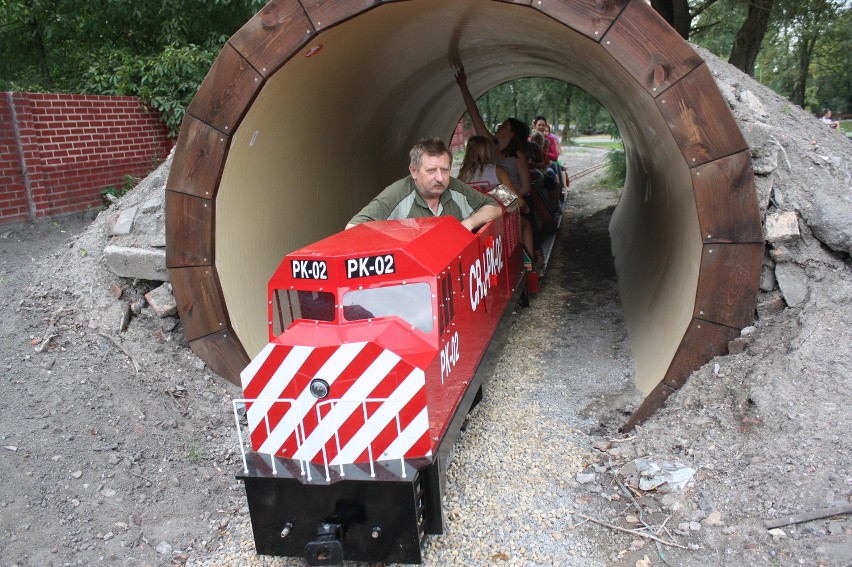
x=194, y=452
x=166, y=81
x=159, y=50
x=569, y=109
x=113, y=192
x=616, y=168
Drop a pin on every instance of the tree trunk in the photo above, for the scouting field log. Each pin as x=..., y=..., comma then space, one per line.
x=38, y=39
x=806, y=49
x=676, y=13
x=750, y=36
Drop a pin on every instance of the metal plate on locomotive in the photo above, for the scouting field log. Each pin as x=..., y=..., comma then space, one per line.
x=370, y=266
x=309, y=269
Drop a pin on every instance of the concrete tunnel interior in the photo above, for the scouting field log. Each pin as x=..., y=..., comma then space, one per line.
x=321, y=134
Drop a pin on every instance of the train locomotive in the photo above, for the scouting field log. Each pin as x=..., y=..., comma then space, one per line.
x=380, y=339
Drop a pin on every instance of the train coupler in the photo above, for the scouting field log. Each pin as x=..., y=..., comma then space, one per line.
x=326, y=549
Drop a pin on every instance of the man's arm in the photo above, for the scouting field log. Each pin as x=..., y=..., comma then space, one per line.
x=485, y=214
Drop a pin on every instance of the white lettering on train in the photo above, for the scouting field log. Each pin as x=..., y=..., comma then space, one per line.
x=449, y=356
x=479, y=281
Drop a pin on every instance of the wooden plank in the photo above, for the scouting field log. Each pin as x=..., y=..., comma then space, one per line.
x=699, y=118
x=727, y=200
x=199, y=157
x=189, y=230
x=727, y=283
x=274, y=34
x=227, y=91
x=702, y=341
x=199, y=300
x=223, y=353
x=649, y=49
x=591, y=18
x=324, y=14
x=650, y=404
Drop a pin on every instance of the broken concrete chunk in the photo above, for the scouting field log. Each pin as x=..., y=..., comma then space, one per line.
x=153, y=203
x=142, y=264
x=124, y=222
x=782, y=227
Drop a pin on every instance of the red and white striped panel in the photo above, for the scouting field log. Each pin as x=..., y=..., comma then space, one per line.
x=376, y=408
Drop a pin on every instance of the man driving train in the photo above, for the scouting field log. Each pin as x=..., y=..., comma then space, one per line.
x=430, y=191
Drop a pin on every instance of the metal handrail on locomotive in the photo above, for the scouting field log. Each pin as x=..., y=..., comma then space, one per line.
x=377, y=337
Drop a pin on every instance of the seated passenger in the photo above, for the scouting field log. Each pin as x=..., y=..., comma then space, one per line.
x=430, y=191
x=478, y=166
x=509, y=143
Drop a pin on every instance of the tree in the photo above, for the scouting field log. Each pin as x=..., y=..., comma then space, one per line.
x=159, y=50
x=681, y=13
x=750, y=36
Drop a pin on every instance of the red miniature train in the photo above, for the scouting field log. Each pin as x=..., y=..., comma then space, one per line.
x=377, y=342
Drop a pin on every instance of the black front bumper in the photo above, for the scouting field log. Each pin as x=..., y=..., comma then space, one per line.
x=354, y=516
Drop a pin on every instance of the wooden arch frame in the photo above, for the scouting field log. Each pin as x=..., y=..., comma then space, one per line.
x=632, y=35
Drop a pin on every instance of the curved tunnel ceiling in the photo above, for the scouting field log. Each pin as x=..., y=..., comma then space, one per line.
x=310, y=109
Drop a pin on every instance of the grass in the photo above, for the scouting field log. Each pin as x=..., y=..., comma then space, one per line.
x=193, y=452
x=614, y=145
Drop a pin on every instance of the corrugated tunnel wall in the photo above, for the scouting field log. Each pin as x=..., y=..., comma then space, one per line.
x=311, y=108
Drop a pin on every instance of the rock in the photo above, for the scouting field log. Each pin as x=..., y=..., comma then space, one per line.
x=138, y=263
x=713, y=519
x=585, y=478
x=120, y=318
x=767, y=278
x=753, y=103
x=162, y=301
x=777, y=534
x=153, y=203
x=793, y=283
x=76, y=474
x=782, y=227
x=163, y=548
x=739, y=344
x=831, y=220
x=764, y=151
x=116, y=290
x=770, y=305
x=123, y=222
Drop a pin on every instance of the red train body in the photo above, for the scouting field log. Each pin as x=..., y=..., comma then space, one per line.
x=377, y=337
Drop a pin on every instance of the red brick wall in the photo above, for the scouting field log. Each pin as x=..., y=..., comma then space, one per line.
x=58, y=151
x=460, y=136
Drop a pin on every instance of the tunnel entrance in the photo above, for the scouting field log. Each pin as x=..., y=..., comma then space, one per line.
x=310, y=110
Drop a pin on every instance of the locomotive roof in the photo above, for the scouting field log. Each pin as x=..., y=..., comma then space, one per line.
x=432, y=243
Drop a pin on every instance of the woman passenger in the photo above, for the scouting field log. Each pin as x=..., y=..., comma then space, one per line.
x=478, y=166
x=509, y=144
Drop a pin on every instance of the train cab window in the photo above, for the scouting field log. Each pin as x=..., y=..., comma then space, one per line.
x=289, y=305
x=410, y=302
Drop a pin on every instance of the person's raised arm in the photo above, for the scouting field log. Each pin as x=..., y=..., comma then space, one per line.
x=472, y=109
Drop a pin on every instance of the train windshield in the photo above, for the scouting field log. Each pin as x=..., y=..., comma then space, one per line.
x=289, y=305
x=411, y=302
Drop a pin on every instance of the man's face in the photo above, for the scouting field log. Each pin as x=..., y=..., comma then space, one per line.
x=433, y=177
